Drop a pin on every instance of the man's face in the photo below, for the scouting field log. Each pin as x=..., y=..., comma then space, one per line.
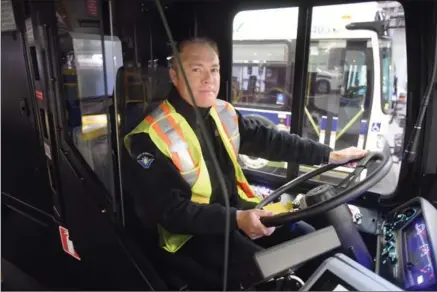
x=201, y=65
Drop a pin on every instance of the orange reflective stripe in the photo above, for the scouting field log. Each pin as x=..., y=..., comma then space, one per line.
x=247, y=190
x=227, y=106
x=150, y=119
x=164, y=108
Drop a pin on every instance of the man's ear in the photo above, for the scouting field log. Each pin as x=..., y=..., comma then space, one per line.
x=173, y=76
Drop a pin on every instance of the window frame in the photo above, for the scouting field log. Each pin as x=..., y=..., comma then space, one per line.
x=391, y=75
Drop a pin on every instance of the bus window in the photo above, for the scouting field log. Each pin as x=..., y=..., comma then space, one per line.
x=351, y=83
x=262, y=72
x=87, y=91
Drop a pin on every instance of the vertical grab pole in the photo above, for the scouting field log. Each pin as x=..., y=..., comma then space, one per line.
x=323, y=125
x=362, y=136
x=334, y=129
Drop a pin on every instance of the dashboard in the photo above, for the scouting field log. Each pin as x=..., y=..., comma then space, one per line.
x=407, y=245
x=406, y=242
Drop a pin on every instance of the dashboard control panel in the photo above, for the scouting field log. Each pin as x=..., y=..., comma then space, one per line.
x=407, y=246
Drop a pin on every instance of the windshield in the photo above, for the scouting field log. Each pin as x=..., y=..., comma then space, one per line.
x=340, y=86
x=349, y=89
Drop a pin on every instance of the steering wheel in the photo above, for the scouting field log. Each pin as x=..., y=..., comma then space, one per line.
x=326, y=197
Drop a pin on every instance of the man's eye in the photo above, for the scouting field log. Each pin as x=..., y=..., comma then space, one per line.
x=196, y=70
x=215, y=70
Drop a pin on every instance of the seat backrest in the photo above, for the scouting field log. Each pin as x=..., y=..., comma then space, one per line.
x=138, y=91
x=131, y=98
x=159, y=84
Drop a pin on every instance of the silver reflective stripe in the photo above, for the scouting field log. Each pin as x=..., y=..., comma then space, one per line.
x=179, y=146
x=157, y=113
x=191, y=177
x=220, y=105
x=164, y=125
x=229, y=123
x=227, y=118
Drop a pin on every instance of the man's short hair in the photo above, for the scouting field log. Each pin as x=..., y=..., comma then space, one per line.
x=180, y=46
x=197, y=40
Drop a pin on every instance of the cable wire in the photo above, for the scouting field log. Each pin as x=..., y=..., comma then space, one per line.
x=208, y=143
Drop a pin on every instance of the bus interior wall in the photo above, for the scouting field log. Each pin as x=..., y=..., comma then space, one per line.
x=89, y=215
x=29, y=232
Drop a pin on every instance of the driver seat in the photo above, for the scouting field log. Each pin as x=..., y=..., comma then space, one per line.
x=178, y=271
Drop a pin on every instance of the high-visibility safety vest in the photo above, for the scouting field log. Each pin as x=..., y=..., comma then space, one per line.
x=174, y=137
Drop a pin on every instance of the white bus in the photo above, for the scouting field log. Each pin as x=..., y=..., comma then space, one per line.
x=349, y=89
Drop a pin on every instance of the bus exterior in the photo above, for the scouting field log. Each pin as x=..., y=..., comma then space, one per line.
x=349, y=76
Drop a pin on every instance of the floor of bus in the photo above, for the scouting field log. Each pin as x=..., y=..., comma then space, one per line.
x=14, y=279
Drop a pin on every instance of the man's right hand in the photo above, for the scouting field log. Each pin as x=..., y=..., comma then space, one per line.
x=249, y=222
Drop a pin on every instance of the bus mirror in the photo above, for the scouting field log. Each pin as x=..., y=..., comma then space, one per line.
x=377, y=26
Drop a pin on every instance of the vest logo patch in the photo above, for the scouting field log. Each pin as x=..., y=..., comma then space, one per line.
x=145, y=159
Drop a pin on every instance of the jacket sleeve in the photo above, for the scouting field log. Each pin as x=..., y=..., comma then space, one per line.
x=164, y=198
x=275, y=145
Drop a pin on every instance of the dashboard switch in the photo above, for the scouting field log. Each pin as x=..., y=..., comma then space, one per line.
x=389, y=236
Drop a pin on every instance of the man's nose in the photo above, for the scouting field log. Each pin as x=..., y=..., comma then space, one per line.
x=207, y=77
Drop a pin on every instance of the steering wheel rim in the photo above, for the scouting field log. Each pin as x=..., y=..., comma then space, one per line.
x=340, y=198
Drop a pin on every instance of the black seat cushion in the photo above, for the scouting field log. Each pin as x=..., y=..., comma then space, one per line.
x=177, y=270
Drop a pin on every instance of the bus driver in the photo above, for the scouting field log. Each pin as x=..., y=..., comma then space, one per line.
x=177, y=186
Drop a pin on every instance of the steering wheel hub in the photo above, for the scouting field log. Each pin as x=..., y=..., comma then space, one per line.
x=319, y=194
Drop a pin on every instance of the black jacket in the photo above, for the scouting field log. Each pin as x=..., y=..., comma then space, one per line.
x=162, y=196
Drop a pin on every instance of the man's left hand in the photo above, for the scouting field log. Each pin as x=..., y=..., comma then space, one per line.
x=346, y=155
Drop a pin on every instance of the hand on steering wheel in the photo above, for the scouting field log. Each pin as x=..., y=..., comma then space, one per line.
x=326, y=197
x=348, y=155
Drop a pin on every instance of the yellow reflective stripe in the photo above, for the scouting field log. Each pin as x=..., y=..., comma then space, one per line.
x=142, y=127
x=200, y=199
x=171, y=242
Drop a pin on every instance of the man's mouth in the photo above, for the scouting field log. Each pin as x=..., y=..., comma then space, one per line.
x=207, y=91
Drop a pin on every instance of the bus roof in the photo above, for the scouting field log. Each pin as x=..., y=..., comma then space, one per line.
x=281, y=23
